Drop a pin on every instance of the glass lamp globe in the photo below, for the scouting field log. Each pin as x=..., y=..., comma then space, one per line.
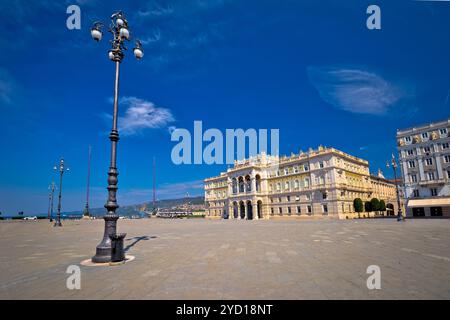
x=138, y=53
x=124, y=33
x=119, y=22
x=111, y=55
x=96, y=34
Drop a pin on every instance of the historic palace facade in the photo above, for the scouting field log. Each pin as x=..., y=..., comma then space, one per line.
x=317, y=183
x=424, y=153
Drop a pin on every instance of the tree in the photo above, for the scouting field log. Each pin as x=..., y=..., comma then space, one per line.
x=375, y=203
x=382, y=205
x=358, y=205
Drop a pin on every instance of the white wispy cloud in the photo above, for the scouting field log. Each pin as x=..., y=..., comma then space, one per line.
x=354, y=90
x=142, y=114
x=155, y=9
x=154, y=37
x=183, y=30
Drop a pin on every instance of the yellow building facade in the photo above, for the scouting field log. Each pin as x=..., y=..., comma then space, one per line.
x=320, y=183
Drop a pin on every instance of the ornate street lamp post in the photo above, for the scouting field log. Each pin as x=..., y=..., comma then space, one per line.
x=120, y=32
x=50, y=200
x=61, y=172
x=394, y=167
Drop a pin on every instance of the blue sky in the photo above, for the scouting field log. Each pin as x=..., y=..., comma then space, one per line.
x=310, y=68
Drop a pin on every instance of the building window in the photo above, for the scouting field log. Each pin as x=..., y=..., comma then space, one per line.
x=445, y=146
x=306, y=183
x=411, y=164
x=309, y=209
x=408, y=139
x=271, y=211
x=289, y=210
x=271, y=200
x=306, y=167
x=425, y=135
x=279, y=199
x=448, y=174
x=288, y=198
x=280, y=210
x=446, y=159
x=308, y=196
x=286, y=185
x=286, y=171
x=325, y=208
x=418, y=212
x=410, y=152
x=297, y=198
x=443, y=131
x=430, y=175
x=321, y=164
x=296, y=184
x=299, y=209
x=433, y=192
x=324, y=195
x=278, y=186
x=416, y=193
x=429, y=161
x=426, y=149
x=320, y=180
x=413, y=178
x=295, y=169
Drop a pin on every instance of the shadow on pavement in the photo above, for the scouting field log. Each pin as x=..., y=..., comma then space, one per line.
x=136, y=240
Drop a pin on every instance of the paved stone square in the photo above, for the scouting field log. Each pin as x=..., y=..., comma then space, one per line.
x=204, y=259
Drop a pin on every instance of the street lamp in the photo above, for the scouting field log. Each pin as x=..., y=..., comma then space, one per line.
x=394, y=167
x=50, y=201
x=120, y=31
x=61, y=172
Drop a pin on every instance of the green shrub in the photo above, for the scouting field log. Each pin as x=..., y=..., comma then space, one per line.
x=358, y=205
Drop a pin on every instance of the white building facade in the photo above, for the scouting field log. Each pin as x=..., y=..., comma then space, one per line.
x=318, y=183
x=424, y=154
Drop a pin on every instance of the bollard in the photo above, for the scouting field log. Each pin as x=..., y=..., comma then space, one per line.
x=117, y=252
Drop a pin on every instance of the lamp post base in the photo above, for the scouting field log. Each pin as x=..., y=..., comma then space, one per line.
x=103, y=250
x=102, y=254
x=86, y=215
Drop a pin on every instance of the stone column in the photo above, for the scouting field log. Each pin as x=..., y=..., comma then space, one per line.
x=230, y=211
x=253, y=180
x=245, y=210
x=421, y=170
x=255, y=211
x=440, y=173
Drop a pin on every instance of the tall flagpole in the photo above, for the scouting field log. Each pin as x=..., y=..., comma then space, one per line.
x=86, y=213
x=154, y=184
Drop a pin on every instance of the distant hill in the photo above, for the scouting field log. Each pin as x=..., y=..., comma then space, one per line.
x=135, y=210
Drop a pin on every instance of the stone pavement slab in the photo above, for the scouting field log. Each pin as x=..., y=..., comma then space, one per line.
x=203, y=259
